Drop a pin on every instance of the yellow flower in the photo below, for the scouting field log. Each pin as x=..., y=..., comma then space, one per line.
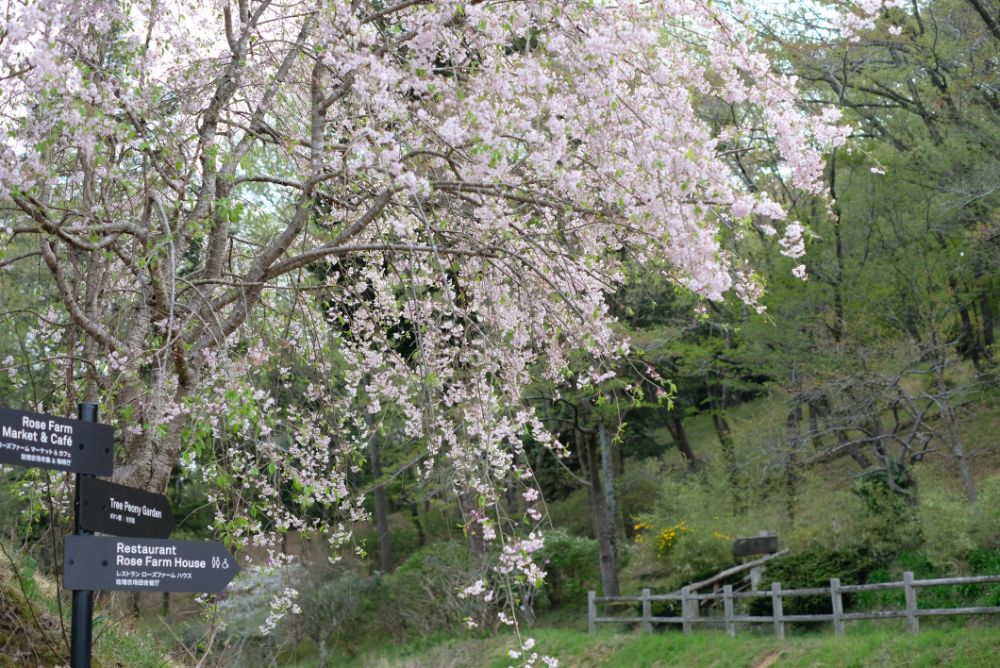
x=640, y=527
x=668, y=536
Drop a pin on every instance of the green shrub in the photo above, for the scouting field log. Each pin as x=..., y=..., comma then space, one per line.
x=572, y=567
x=815, y=568
x=984, y=561
x=338, y=606
x=424, y=596
x=890, y=524
x=923, y=567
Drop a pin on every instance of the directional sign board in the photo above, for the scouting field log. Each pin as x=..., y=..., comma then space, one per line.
x=745, y=547
x=47, y=441
x=103, y=563
x=123, y=511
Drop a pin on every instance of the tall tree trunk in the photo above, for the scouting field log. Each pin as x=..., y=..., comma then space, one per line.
x=958, y=451
x=969, y=340
x=951, y=436
x=718, y=400
x=603, y=529
x=817, y=409
x=969, y=343
x=985, y=308
x=837, y=283
x=414, y=509
x=675, y=424
x=324, y=653
x=609, y=482
x=792, y=459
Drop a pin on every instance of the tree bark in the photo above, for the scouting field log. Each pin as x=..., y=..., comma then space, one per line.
x=609, y=483
x=718, y=399
x=414, y=508
x=603, y=529
x=969, y=341
x=675, y=424
x=324, y=653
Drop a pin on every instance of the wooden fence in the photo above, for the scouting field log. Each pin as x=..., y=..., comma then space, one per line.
x=691, y=601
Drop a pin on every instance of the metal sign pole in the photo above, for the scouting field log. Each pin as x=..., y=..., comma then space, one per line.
x=83, y=601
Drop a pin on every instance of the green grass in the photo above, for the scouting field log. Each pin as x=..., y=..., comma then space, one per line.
x=862, y=647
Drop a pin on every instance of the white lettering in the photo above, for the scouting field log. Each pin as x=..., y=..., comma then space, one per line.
x=19, y=434
x=60, y=428
x=162, y=550
x=31, y=423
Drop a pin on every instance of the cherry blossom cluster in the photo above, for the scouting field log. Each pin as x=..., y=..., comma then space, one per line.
x=280, y=231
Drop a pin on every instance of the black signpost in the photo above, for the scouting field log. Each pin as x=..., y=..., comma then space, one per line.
x=82, y=615
x=46, y=441
x=140, y=561
x=107, y=563
x=124, y=511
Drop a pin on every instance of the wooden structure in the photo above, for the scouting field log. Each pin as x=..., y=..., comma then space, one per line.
x=690, y=601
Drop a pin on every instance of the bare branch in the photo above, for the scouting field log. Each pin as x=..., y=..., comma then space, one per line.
x=97, y=331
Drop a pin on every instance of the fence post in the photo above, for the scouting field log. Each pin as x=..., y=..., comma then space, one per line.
x=777, y=611
x=591, y=611
x=838, y=606
x=686, y=609
x=911, y=603
x=647, y=611
x=727, y=606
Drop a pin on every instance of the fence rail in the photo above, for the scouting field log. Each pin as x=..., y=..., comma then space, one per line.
x=690, y=601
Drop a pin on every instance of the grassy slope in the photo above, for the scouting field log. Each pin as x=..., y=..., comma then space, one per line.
x=861, y=648
x=31, y=635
